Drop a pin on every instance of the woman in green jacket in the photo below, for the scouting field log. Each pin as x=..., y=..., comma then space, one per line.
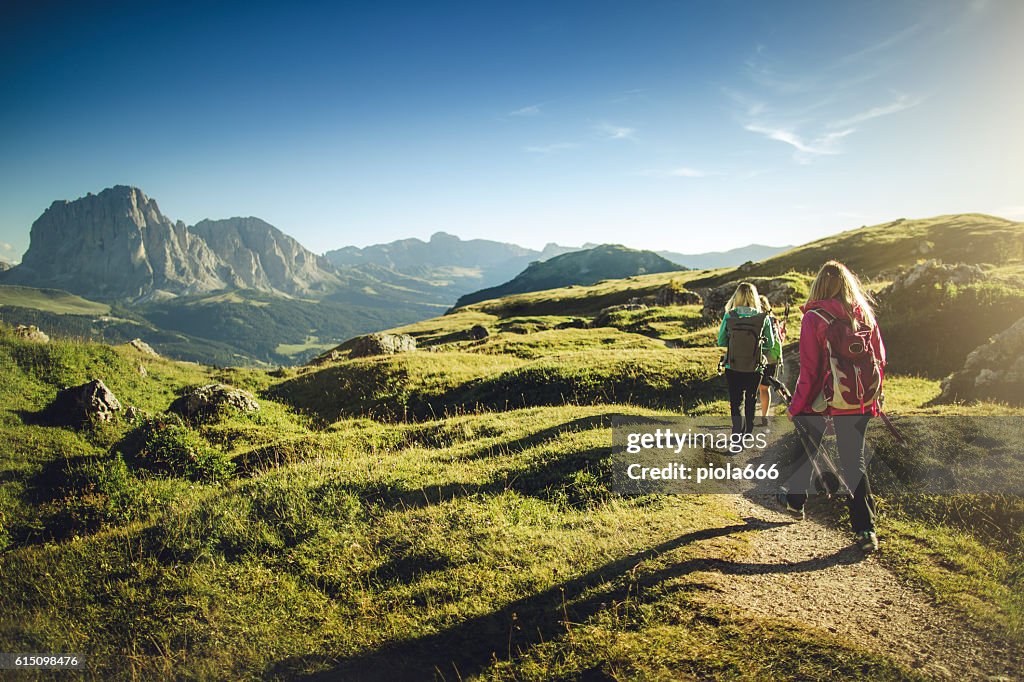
x=773, y=358
x=748, y=334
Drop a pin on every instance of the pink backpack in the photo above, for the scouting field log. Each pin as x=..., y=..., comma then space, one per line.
x=855, y=376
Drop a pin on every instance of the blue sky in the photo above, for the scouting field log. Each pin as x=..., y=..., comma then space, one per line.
x=680, y=125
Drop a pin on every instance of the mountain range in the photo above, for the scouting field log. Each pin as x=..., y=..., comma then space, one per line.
x=239, y=290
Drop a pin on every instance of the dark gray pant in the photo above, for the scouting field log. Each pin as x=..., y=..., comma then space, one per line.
x=850, y=430
x=743, y=394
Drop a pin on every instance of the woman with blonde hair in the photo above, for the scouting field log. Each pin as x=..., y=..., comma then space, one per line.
x=747, y=334
x=841, y=362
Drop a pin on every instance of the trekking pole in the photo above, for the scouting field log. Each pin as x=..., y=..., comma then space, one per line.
x=825, y=476
x=780, y=387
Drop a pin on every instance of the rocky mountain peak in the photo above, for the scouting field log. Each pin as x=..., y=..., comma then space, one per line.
x=264, y=257
x=118, y=245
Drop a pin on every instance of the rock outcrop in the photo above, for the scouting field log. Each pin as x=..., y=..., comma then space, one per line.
x=118, y=245
x=382, y=344
x=206, y=401
x=31, y=332
x=143, y=347
x=89, y=402
x=779, y=291
x=673, y=295
x=932, y=273
x=478, y=332
x=993, y=371
x=604, y=316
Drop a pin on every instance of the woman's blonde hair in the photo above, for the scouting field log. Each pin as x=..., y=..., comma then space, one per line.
x=745, y=294
x=835, y=280
x=766, y=305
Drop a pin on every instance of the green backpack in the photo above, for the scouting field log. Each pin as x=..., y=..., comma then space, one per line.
x=744, y=333
x=770, y=357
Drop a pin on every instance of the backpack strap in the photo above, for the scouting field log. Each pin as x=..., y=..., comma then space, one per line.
x=823, y=314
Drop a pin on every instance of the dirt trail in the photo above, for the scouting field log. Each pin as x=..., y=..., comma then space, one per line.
x=809, y=574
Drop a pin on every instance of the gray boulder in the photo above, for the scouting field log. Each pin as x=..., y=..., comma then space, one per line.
x=992, y=371
x=31, y=333
x=382, y=344
x=143, y=347
x=205, y=401
x=89, y=402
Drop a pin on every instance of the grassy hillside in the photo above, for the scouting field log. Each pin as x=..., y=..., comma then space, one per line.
x=445, y=512
x=878, y=249
x=383, y=538
x=609, y=261
x=575, y=300
x=50, y=300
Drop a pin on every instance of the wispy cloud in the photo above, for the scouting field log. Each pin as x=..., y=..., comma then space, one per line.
x=551, y=148
x=814, y=107
x=886, y=43
x=614, y=132
x=4, y=246
x=901, y=103
x=806, y=148
x=750, y=105
x=532, y=110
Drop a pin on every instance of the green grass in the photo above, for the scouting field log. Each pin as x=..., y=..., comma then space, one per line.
x=49, y=300
x=584, y=300
x=443, y=509
x=312, y=343
x=386, y=550
x=559, y=341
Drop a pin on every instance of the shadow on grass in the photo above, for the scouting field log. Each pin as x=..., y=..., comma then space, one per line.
x=468, y=648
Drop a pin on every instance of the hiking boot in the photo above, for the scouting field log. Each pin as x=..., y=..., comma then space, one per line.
x=867, y=541
x=783, y=500
x=763, y=421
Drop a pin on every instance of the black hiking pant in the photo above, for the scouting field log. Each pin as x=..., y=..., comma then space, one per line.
x=743, y=393
x=850, y=430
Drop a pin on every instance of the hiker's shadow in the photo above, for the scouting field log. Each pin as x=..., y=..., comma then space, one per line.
x=467, y=648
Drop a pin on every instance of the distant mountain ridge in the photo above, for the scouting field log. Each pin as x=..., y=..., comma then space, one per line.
x=462, y=265
x=472, y=264
x=607, y=261
x=724, y=259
